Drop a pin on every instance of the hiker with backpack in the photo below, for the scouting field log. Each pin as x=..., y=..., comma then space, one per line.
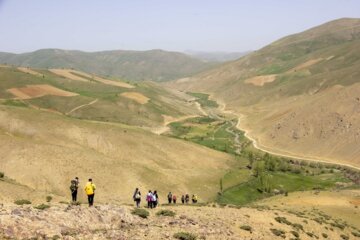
x=169, y=197
x=174, y=198
x=90, y=191
x=149, y=199
x=74, y=188
x=183, y=199
x=137, y=197
x=187, y=198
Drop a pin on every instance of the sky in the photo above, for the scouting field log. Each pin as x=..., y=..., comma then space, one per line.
x=174, y=25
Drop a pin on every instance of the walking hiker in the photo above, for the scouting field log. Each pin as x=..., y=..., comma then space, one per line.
x=169, y=197
x=149, y=199
x=194, y=198
x=183, y=199
x=137, y=197
x=174, y=198
x=90, y=192
x=74, y=188
x=187, y=198
x=155, y=199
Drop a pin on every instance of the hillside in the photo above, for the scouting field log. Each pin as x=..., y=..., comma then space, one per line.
x=282, y=93
x=155, y=65
x=85, y=96
x=202, y=222
x=51, y=149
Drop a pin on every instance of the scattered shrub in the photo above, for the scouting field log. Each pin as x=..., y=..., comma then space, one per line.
x=324, y=235
x=77, y=203
x=42, y=206
x=296, y=234
x=140, y=212
x=165, y=212
x=311, y=234
x=344, y=237
x=64, y=202
x=338, y=225
x=2, y=175
x=278, y=232
x=185, y=236
x=355, y=234
x=246, y=228
x=48, y=198
x=22, y=202
x=297, y=226
x=282, y=220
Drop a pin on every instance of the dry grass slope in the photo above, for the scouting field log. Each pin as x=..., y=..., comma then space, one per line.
x=52, y=149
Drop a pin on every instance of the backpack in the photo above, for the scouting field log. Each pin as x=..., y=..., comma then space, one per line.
x=137, y=195
x=73, y=186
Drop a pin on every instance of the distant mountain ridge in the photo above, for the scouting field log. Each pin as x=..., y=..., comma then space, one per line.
x=217, y=56
x=154, y=65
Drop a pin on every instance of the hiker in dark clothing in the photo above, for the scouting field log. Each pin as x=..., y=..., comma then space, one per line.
x=74, y=188
x=187, y=198
x=169, y=197
x=137, y=197
x=182, y=199
x=155, y=199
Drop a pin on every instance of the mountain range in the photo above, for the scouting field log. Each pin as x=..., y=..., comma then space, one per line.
x=154, y=65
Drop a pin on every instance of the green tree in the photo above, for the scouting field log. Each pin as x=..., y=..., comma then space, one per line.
x=251, y=158
x=259, y=168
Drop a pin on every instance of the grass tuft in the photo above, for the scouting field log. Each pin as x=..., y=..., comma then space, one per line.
x=165, y=212
x=22, y=202
x=246, y=228
x=185, y=236
x=42, y=207
x=143, y=213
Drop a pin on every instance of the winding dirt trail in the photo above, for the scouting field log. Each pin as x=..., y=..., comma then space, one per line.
x=81, y=106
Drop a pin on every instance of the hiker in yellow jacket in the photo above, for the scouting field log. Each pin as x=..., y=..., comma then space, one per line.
x=90, y=192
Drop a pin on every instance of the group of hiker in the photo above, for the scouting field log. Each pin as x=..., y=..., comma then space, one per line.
x=152, y=197
x=89, y=190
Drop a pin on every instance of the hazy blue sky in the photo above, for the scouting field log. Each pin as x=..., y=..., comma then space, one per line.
x=208, y=25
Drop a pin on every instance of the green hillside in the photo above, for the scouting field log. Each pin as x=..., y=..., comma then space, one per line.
x=155, y=65
x=94, y=100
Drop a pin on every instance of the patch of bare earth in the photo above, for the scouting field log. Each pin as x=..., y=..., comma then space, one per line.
x=66, y=73
x=261, y=80
x=103, y=80
x=306, y=64
x=35, y=91
x=30, y=71
x=137, y=97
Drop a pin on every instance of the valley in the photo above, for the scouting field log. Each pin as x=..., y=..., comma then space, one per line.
x=265, y=144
